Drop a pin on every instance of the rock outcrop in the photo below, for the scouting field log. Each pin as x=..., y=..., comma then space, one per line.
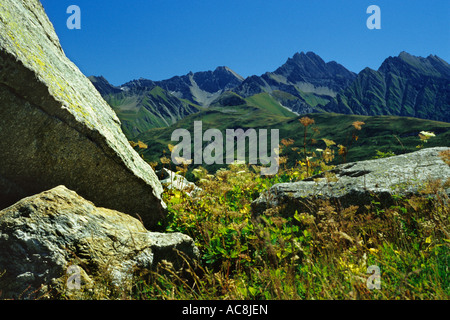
x=359, y=183
x=171, y=180
x=42, y=236
x=55, y=128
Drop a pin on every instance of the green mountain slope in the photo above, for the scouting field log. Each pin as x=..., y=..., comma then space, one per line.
x=270, y=104
x=394, y=134
x=144, y=107
x=300, y=84
x=405, y=85
x=379, y=133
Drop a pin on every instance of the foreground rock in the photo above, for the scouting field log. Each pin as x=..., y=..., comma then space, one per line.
x=359, y=183
x=42, y=236
x=55, y=128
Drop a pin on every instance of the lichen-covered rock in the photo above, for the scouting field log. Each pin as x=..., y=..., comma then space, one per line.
x=359, y=183
x=55, y=128
x=42, y=236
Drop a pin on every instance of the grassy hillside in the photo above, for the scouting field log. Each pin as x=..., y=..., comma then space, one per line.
x=141, y=111
x=268, y=103
x=222, y=118
x=379, y=136
x=386, y=134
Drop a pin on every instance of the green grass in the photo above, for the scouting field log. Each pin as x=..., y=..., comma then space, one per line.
x=267, y=102
x=383, y=133
x=313, y=99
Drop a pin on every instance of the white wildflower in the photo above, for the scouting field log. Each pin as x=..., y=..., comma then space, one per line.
x=427, y=134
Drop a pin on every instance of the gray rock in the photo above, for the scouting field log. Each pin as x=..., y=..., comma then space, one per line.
x=171, y=180
x=359, y=183
x=55, y=128
x=42, y=236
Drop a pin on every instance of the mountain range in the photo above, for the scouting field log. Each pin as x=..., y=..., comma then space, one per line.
x=404, y=85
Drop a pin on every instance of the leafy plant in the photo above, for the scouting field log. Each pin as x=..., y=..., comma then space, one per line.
x=381, y=154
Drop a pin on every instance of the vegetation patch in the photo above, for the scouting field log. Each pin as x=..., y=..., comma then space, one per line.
x=329, y=254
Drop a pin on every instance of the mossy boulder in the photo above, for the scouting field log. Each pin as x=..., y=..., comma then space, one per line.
x=43, y=237
x=55, y=128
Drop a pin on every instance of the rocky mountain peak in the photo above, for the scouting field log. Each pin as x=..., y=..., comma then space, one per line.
x=309, y=62
x=305, y=58
x=221, y=79
x=431, y=66
x=311, y=69
x=223, y=70
x=196, y=87
x=103, y=86
x=139, y=84
x=405, y=85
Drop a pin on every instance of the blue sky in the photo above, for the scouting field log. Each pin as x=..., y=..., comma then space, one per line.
x=158, y=39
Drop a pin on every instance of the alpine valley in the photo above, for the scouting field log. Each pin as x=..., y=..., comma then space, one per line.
x=406, y=95
x=93, y=208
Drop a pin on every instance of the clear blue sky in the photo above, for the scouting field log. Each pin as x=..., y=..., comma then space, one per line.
x=157, y=39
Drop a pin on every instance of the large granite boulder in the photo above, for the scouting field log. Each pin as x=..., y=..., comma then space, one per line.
x=44, y=236
x=359, y=183
x=55, y=128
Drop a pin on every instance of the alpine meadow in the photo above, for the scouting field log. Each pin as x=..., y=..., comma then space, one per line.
x=307, y=182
